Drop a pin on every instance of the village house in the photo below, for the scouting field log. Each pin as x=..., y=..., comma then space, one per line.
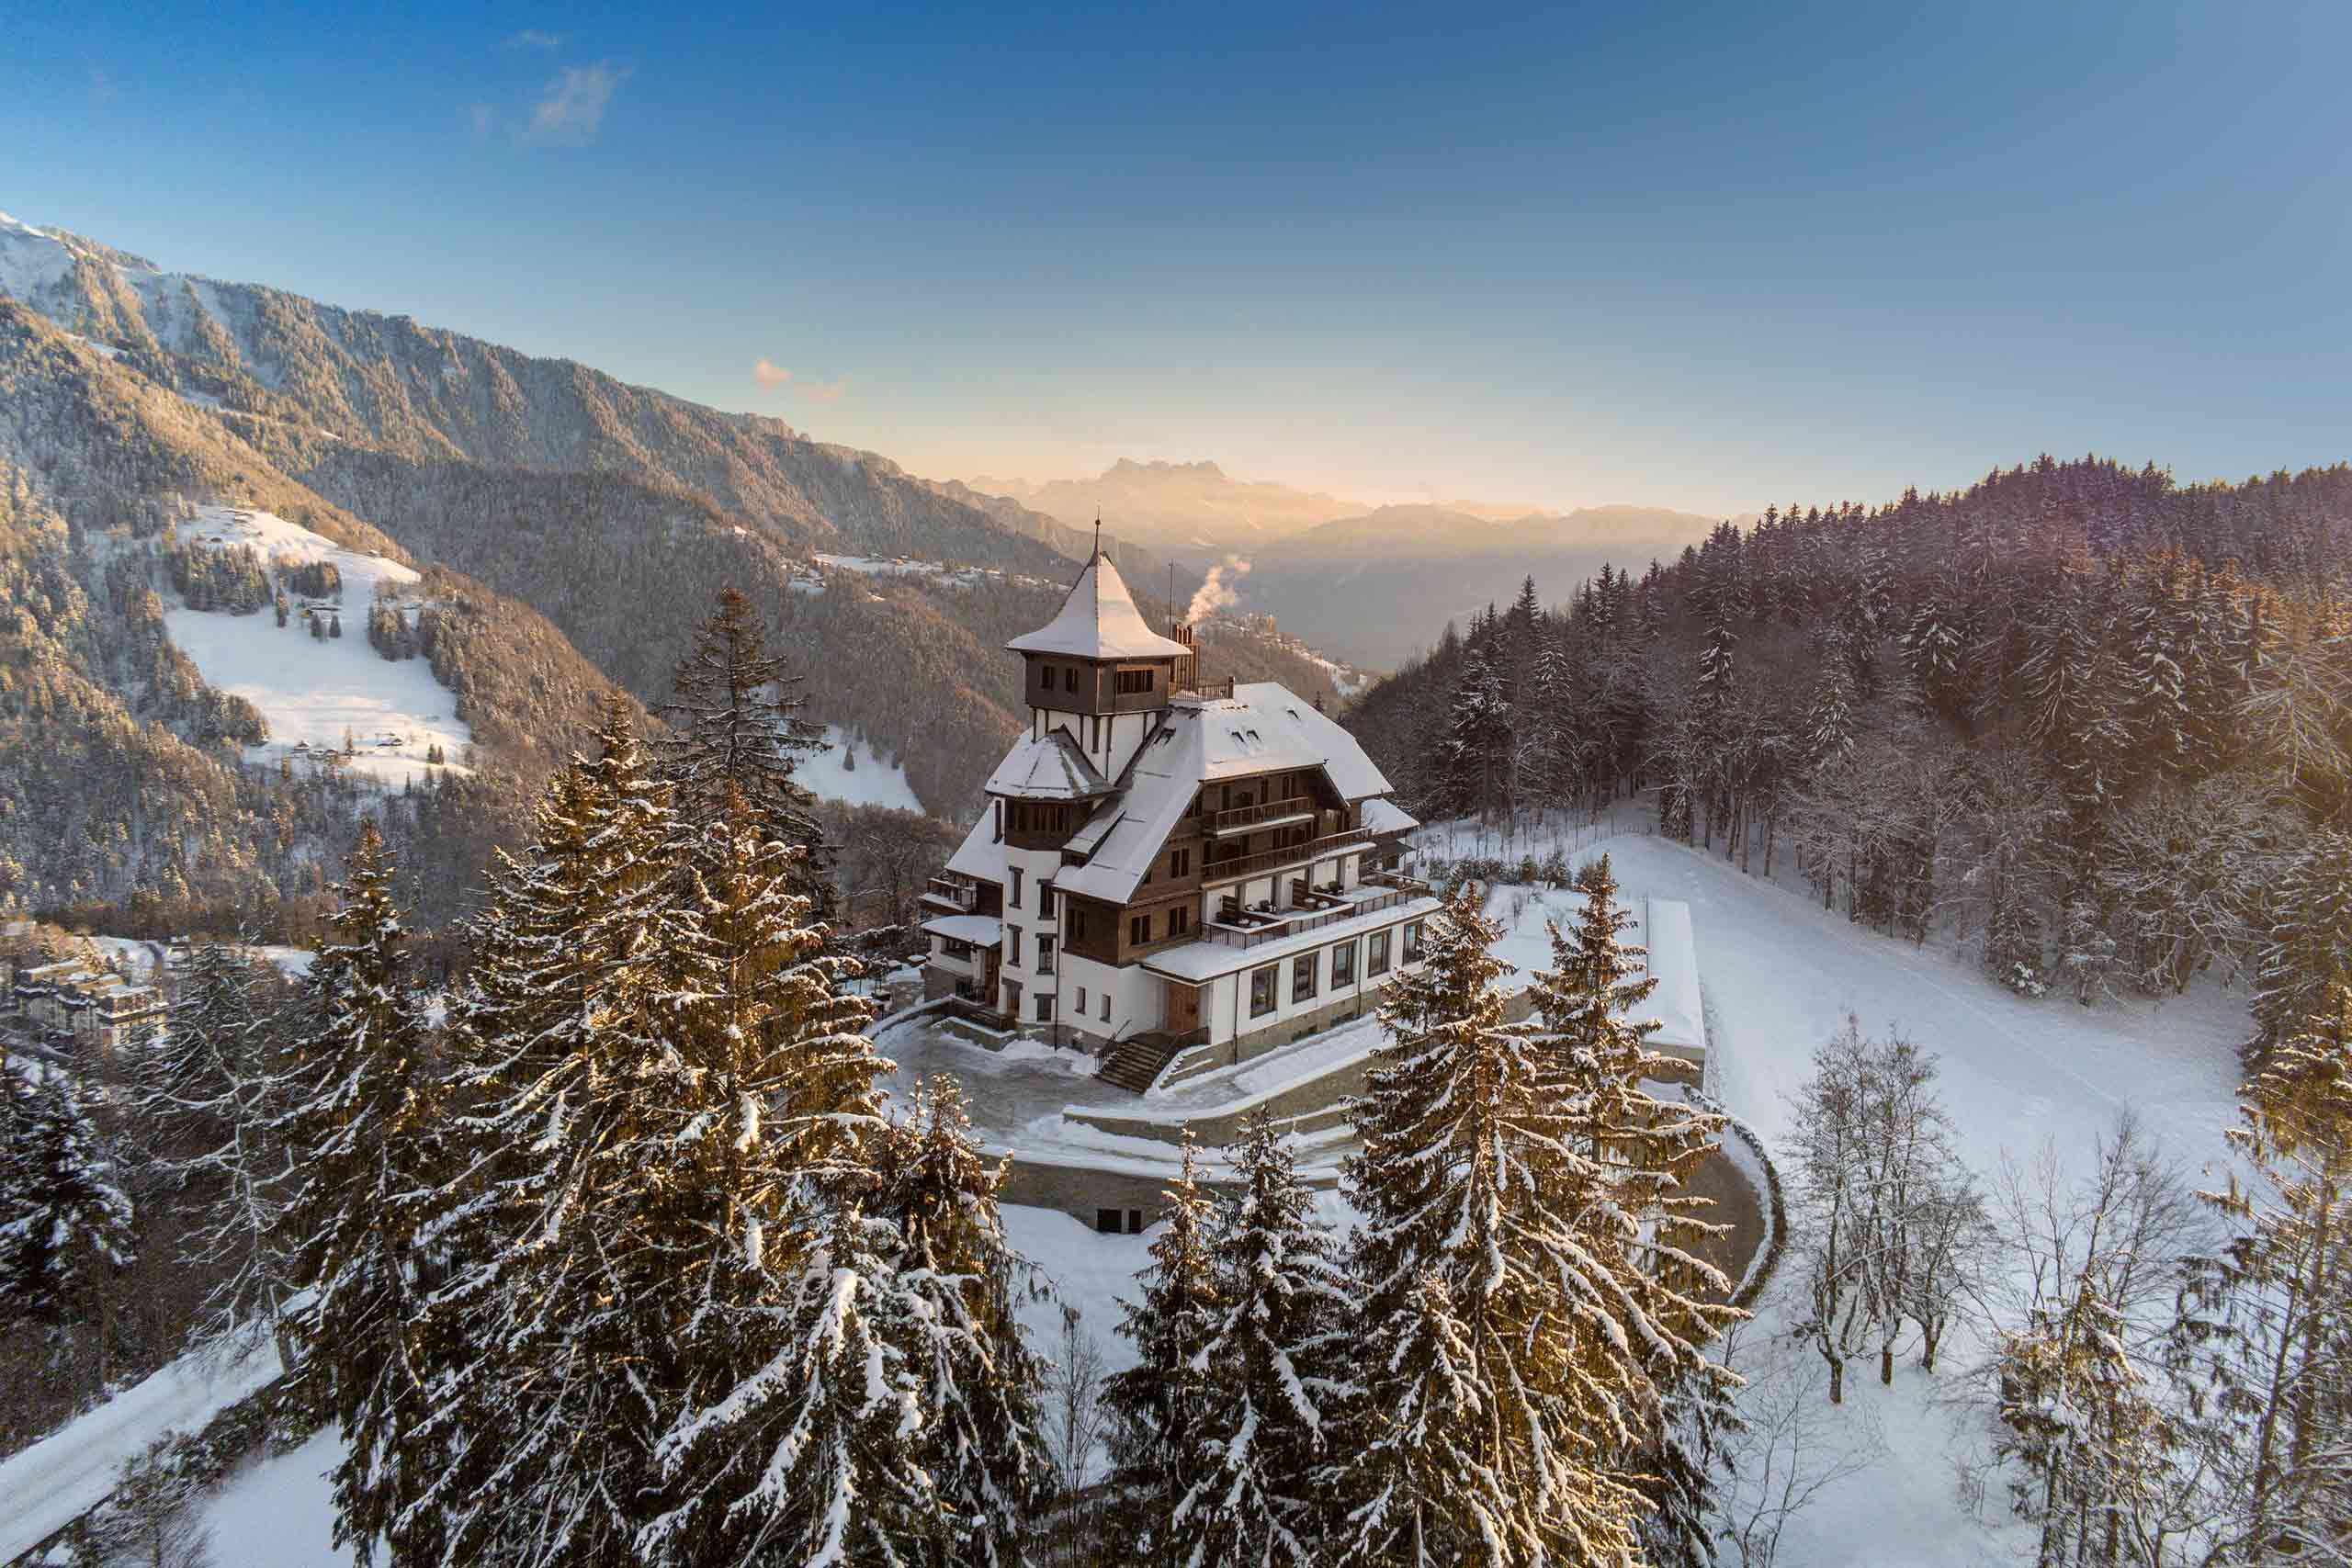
x=1160, y=865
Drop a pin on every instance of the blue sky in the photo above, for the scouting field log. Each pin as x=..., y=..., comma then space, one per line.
x=1709, y=256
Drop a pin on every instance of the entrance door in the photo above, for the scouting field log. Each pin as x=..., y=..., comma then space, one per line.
x=1184, y=1007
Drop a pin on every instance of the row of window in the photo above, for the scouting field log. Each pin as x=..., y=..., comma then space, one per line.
x=1126, y=682
x=1307, y=969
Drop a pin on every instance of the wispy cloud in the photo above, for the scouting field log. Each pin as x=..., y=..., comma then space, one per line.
x=824, y=391
x=535, y=37
x=574, y=104
x=768, y=374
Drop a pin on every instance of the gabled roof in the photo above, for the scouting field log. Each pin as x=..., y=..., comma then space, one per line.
x=1260, y=728
x=1098, y=620
x=1047, y=768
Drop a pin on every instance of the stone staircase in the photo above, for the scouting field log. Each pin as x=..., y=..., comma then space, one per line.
x=1136, y=1063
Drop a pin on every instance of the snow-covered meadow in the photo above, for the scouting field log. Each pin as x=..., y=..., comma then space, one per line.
x=850, y=771
x=314, y=691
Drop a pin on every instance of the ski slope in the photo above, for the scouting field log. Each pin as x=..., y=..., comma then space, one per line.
x=830, y=775
x=313, y=693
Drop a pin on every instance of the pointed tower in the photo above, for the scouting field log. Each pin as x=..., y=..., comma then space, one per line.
x=1097, y=672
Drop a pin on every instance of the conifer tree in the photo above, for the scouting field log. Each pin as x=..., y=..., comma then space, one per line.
x=1281, y=1361
x=1495, y=1423
x=68, y=1230
x=804, y=1350
x=362, y=1120
x=1625, y=1158
x=2267, y=1330
x=1164, y=1405
x=735, y=722
x=547, y=1454
x=979, y=1383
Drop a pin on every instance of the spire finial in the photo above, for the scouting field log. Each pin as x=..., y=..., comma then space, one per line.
x=1098, y=528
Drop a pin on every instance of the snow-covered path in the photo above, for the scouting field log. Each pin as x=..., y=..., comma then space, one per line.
x=50, y=1484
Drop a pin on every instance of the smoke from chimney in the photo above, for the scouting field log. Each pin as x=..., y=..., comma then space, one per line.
x=1216, y=591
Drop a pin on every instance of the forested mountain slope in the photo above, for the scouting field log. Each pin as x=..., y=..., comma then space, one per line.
x=2098, y=722
x=121, y=774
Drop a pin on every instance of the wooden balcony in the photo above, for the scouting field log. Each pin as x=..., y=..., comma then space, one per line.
x=963, y=895
x=1264, y=860
x=1266, y=929
x=1265, y=814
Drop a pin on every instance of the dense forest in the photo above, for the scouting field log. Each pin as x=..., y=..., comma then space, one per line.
x=2097, y=721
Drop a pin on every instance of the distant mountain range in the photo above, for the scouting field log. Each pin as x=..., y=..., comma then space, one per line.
x=1368, y=584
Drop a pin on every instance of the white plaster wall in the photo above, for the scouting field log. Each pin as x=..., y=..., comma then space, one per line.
x=1138, y=1000
x=1231, y=1015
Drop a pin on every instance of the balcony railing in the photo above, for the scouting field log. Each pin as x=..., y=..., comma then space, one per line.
x=962, y=894
x=1298, y=922
x=1264, y=811
x=1289, y=855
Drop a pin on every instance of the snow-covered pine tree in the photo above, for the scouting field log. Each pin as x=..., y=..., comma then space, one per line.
x=1163, y=1407
x=2307, y=940
x=735, y=721
x=2092, y=1438
x=1282, y=1367
x=1644, y=1298
x=797, y=1428
x=70, y=1228
x=1492, y=1427
x=2266, y=1332
x=544, y=1453
x=979, y=1383
x=185, y=1083
x=362, y=1114
x=212, y=1088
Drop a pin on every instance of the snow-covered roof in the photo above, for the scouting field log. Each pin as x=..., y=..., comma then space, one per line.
x=1098, y=620
x=1261, y=727
x=980, y=931
x=1047, y=768
x=981, y=855
x=1674, y=965
x=1388, y=817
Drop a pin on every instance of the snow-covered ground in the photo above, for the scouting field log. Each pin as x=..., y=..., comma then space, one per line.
x=853, y=772
x=277, y=1512
x=48, y=1485
x=313, y=693
x=1781, y=976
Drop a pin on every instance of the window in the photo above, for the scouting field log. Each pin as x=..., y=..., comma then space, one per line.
x=1303, y=970
x=1180, y=920
x=1045, y=899
x=1261, y=990
x=1135, y=1222
x=1081, y=1001
x=1375, y=957
x=1343, y=964
x=1045, y=1007
x=1078, y=923
x=1127, y=682
x=1413, y=942
x=1069, y=677
x=1107, y=1221
x=1106, y=1007
x=1013, y=901
x=1138, y=930
x=1179, y=863
x=1012, y=945
x=1045, y=954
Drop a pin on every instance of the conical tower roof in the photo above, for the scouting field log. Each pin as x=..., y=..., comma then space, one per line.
x=1098, y=620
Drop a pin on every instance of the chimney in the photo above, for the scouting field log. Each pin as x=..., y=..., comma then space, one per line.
x=1188, y=663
